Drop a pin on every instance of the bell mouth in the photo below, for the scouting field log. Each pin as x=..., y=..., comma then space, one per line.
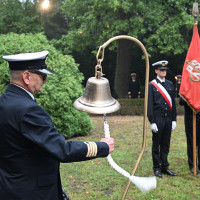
x=97, y=104
x=97, y=98
x=97, y=108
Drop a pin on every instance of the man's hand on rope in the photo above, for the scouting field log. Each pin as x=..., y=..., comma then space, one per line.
x=110, y=142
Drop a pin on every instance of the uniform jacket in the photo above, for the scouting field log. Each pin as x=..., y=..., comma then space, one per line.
x=157, y=105
x=134, y=88
x=178, y=85
x=31, y=149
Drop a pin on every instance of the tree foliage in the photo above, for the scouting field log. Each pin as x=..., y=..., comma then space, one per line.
x=28, y=16
x=160, y=25
x=55, y=24
x=20, y=17
x=164, y=27
x=170, y=24
x=61, y=89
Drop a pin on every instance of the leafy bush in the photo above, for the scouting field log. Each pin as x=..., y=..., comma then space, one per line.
x=61, y=89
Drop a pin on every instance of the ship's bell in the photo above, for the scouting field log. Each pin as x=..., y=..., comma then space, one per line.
x=97, y=97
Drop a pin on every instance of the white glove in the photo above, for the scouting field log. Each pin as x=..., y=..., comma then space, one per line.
x=154, y=128
x=173, y=125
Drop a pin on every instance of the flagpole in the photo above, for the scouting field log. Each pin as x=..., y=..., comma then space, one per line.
x=195, y=13
x=194, y=144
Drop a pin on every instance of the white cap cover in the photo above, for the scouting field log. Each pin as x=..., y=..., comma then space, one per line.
x=25, y=61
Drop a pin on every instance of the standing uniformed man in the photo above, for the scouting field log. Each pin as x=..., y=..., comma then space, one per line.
x=178, y=84
x=162, y=117
x=188, y=121
x=134, y=87
x=31, y=148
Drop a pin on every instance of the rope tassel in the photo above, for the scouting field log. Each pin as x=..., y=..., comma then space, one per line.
x=144, y=184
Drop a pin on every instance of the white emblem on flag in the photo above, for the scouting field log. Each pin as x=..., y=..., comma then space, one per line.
x=193, y=67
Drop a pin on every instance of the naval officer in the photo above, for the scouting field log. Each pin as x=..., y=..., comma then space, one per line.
x=134, y=87
x=188, y=121
x=162, y=117
x=178, y=85
x=31, y=148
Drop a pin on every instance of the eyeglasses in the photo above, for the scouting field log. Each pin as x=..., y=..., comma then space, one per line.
x=44, y=76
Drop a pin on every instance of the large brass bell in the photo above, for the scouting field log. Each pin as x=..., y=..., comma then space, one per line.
x=97, y=97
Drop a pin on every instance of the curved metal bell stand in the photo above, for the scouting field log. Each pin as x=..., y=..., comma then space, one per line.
x=102, y=48
x=81, y=102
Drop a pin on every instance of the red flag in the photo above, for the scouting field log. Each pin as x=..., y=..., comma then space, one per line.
x=190, y=83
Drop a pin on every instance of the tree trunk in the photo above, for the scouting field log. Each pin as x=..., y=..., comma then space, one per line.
x=122, y=73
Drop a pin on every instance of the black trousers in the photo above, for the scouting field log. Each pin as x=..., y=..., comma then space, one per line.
x=189, y=135
x=161, y=142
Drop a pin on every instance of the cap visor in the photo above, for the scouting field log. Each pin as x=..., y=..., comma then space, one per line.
x=46, y=71
x=163, y=68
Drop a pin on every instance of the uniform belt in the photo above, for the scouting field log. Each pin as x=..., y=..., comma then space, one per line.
x=160, y=114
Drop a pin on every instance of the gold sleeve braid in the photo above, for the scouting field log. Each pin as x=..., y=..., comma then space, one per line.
x=92, y=149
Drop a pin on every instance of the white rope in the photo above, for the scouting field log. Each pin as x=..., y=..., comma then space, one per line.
x=145, y=184
x=109, y=157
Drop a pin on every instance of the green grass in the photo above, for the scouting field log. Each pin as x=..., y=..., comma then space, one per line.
x=97, y=180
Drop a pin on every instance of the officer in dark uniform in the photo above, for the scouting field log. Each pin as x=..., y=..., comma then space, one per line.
x=31, y=148
x=188, y=120
x=178, y=84
x=134, y=87
x=162, y=117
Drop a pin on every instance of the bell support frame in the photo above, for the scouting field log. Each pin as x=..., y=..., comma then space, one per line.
x=99, y=61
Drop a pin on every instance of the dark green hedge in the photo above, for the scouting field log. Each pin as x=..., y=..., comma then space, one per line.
x=61, y=89
x=136, y=107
